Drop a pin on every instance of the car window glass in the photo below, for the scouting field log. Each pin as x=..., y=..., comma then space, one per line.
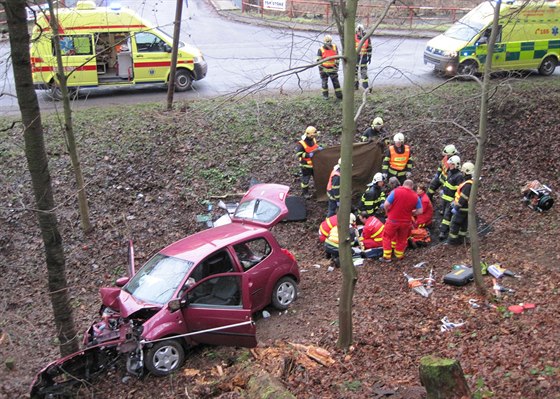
x=219, y=262
x=75, y=45
x=148, y=42
x=219, y=291
x=257, y=210
x=251, y=253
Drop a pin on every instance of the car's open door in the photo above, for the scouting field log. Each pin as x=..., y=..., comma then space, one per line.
x=218, y=311
x=264, y=205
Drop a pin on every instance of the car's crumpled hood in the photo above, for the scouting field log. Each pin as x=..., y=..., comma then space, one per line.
x=121, y=301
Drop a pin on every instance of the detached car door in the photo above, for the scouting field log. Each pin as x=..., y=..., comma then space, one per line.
x=218, y=311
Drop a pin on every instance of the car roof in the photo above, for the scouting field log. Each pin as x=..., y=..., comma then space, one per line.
x=199, y=245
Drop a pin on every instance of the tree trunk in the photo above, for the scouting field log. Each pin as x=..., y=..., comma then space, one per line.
x=40, y=176
x=174, y=54
x=349, y=276
x=69, y=138
x=481, y=146
x=443, y=378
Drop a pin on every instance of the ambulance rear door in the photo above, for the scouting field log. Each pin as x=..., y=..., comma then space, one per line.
x=78, y=56
x=151, y=57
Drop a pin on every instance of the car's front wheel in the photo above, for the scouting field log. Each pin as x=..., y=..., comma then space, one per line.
x=548, y=66
x=284, y=293
x=469, y=68
x=164, y=357
x=183, y=81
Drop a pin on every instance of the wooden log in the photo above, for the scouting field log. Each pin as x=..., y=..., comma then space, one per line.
x=443, y=378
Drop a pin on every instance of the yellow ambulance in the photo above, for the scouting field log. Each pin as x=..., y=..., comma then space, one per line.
x=104, y=46
x=528, y=38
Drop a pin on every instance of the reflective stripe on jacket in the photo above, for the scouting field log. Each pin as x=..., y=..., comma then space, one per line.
x=326, y=227
x=332, y=239
x=329, y=52
x=365, y=46
x=398, y=161
x=306, y=160
x=454, y=178
x=333, y=187
x=373, y=229
x=462, y=195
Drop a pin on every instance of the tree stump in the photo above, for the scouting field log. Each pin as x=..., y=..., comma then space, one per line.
x=443, y=378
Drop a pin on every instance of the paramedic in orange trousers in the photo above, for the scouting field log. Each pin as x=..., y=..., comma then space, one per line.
x=402, y=204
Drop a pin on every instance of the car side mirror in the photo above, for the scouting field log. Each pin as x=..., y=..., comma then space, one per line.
x=122, y=281
x=167, y=48
x=175, y=304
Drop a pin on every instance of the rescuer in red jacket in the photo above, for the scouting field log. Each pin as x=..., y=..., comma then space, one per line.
x=424, y=220
x=401, y=205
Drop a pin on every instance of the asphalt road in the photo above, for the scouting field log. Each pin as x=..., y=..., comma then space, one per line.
x=239, y=56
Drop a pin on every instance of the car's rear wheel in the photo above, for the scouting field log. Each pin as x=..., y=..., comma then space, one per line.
x=548, y=65
x=284, y=293
x=469, y=68
x=183, y=81
x=55, y=92
x=164, y=357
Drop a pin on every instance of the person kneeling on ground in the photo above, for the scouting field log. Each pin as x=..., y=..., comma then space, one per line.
x=371, y=240
x=331, y=240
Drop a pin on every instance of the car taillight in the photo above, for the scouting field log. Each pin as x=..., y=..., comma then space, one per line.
x=289, y=254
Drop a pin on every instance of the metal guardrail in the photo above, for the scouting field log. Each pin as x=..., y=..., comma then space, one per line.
x=321, y=11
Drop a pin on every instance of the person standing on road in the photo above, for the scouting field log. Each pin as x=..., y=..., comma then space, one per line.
x=454, y=178
x=333, y=190
x=376, y=129
x=363, y=57
x=398, y=159
x=401, y=205
x=329, y=68
x=458, y=228
x=305, y=150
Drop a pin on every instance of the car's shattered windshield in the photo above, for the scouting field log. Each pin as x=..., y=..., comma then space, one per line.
x=158, y=279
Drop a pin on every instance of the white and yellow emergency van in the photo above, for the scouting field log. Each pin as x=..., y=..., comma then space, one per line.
x=528, y=38
x=104, y=46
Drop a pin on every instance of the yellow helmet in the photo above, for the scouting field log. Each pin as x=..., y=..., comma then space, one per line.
x=449, y=150
x=311, y=131
x=327, y=39
x=468, y=168
x=377, y=122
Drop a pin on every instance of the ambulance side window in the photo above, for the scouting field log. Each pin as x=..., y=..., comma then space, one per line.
x=75, y=45
x=148, y=42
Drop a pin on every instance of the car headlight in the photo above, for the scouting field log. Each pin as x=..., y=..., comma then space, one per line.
x=451, y=54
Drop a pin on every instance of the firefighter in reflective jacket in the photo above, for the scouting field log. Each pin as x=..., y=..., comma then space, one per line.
x=452, y=182
x=333, y=190
x=363, y=57
x=326, y=227
x=372, y=233
x=398, y=160
x=331, y=241
x=329, y=68
x=305, y=150
x=374, y=197
x=441, y=173
x=376, y=130
x=458, y=228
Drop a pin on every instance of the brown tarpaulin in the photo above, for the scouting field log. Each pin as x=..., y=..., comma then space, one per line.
x=367, y=159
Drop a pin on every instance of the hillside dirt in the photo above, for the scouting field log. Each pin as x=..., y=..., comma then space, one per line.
x=141, y=193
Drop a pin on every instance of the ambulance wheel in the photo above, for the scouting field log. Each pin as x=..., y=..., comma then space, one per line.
x=183, y=81
x=164, y=357
x=469, y=68
x=55, y=93
x=548, y=66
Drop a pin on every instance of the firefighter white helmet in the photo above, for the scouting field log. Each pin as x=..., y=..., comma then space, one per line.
x=399, y=137
x=454, y=160
x=327, y=39
x=467, y=168
x=377, y=122
x=352, y=218
x=449, y=150
x=311, y=131
x=376, y=179
x=359, y=28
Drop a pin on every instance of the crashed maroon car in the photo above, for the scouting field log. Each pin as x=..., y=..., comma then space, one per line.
x=201, y=289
